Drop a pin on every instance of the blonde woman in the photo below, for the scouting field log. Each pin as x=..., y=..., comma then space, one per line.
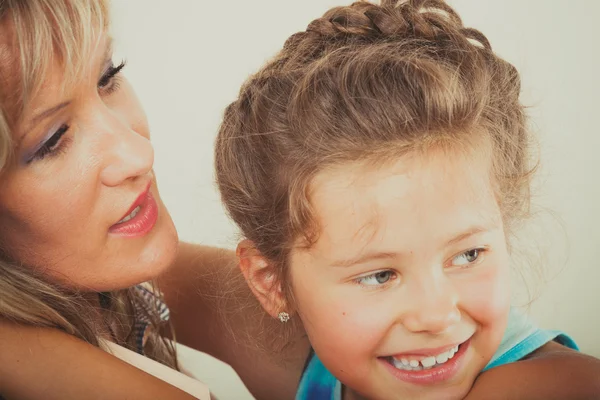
x=82, y=225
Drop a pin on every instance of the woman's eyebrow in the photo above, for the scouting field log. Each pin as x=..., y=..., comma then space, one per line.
x=52, y=110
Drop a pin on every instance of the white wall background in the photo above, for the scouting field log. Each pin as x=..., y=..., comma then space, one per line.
x=187, y=59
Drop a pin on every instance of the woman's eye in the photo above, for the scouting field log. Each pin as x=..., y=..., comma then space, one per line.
x=52, y=145
x=467, y=258
x=108, y=82
x=377, y=279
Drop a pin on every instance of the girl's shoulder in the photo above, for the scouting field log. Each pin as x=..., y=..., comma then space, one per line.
x=522, y=337
x=317, y=382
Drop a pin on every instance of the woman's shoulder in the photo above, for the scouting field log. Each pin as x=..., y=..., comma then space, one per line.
x=47, y=363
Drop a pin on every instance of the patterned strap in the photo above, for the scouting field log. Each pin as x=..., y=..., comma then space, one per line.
x=152, y=303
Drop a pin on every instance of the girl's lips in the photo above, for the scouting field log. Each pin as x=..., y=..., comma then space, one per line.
x=433, y=375
x=426, y=352
x=144, y=219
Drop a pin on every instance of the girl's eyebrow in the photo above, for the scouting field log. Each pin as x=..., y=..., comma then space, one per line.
x=472, y=231
x=386, y=255
x=363, y=258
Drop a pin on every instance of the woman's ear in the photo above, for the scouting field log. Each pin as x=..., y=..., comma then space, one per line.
x=262, y=278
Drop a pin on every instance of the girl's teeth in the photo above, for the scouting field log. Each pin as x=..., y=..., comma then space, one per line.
x=130, y=216
x=442, y=358
x=428, y=362
x=425, y=363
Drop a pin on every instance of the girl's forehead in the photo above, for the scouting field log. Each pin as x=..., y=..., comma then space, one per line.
x=439, y=196
x=412, y=173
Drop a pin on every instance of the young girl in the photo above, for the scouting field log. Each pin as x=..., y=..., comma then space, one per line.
x=377, y=167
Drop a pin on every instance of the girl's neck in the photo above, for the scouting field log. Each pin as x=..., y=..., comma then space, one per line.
x=349, y=394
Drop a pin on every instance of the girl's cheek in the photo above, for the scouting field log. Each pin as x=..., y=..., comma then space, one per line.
x=347, y=321
x=486, y=295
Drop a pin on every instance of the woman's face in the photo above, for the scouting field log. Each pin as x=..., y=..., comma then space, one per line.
x=80, y=203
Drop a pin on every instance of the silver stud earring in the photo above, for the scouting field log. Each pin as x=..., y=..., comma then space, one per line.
x=283, y=316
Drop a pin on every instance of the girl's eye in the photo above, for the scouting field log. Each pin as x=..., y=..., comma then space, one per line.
x=377, y=279
x=108, y=82
x=52, y=145
x=467, y=258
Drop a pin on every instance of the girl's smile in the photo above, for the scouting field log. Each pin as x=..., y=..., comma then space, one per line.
x=428, y=366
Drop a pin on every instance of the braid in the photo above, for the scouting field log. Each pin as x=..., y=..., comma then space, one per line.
x=419, y=23
x=418, y=19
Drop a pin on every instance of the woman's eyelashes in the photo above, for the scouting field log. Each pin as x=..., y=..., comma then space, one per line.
x=109, y=82
x=51, y=146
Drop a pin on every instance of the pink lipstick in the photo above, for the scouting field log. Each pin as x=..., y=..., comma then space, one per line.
x=140, y=218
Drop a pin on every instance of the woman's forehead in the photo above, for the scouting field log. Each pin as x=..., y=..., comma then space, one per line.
x=41, y=39
x=10, y=71
x=53, y=74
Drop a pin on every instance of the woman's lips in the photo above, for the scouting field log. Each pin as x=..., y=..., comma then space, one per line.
x=140, y=219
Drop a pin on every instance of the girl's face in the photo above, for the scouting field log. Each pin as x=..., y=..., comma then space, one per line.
x=406, y=292
x=80, y=204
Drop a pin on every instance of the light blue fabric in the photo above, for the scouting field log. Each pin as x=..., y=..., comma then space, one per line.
x=521, y=338
x=318, y=383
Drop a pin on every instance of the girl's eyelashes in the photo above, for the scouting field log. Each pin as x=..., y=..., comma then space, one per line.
x=109, y=81
x=379, y=278
x=52, y=146
x=465, y=259
x=468, y=258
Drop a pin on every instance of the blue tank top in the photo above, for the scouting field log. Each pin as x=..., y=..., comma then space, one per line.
x=520, y=339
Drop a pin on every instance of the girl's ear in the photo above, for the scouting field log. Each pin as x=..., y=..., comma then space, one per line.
x=261, y=276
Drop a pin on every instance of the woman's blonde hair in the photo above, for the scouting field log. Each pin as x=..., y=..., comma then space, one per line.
x=42, y=32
